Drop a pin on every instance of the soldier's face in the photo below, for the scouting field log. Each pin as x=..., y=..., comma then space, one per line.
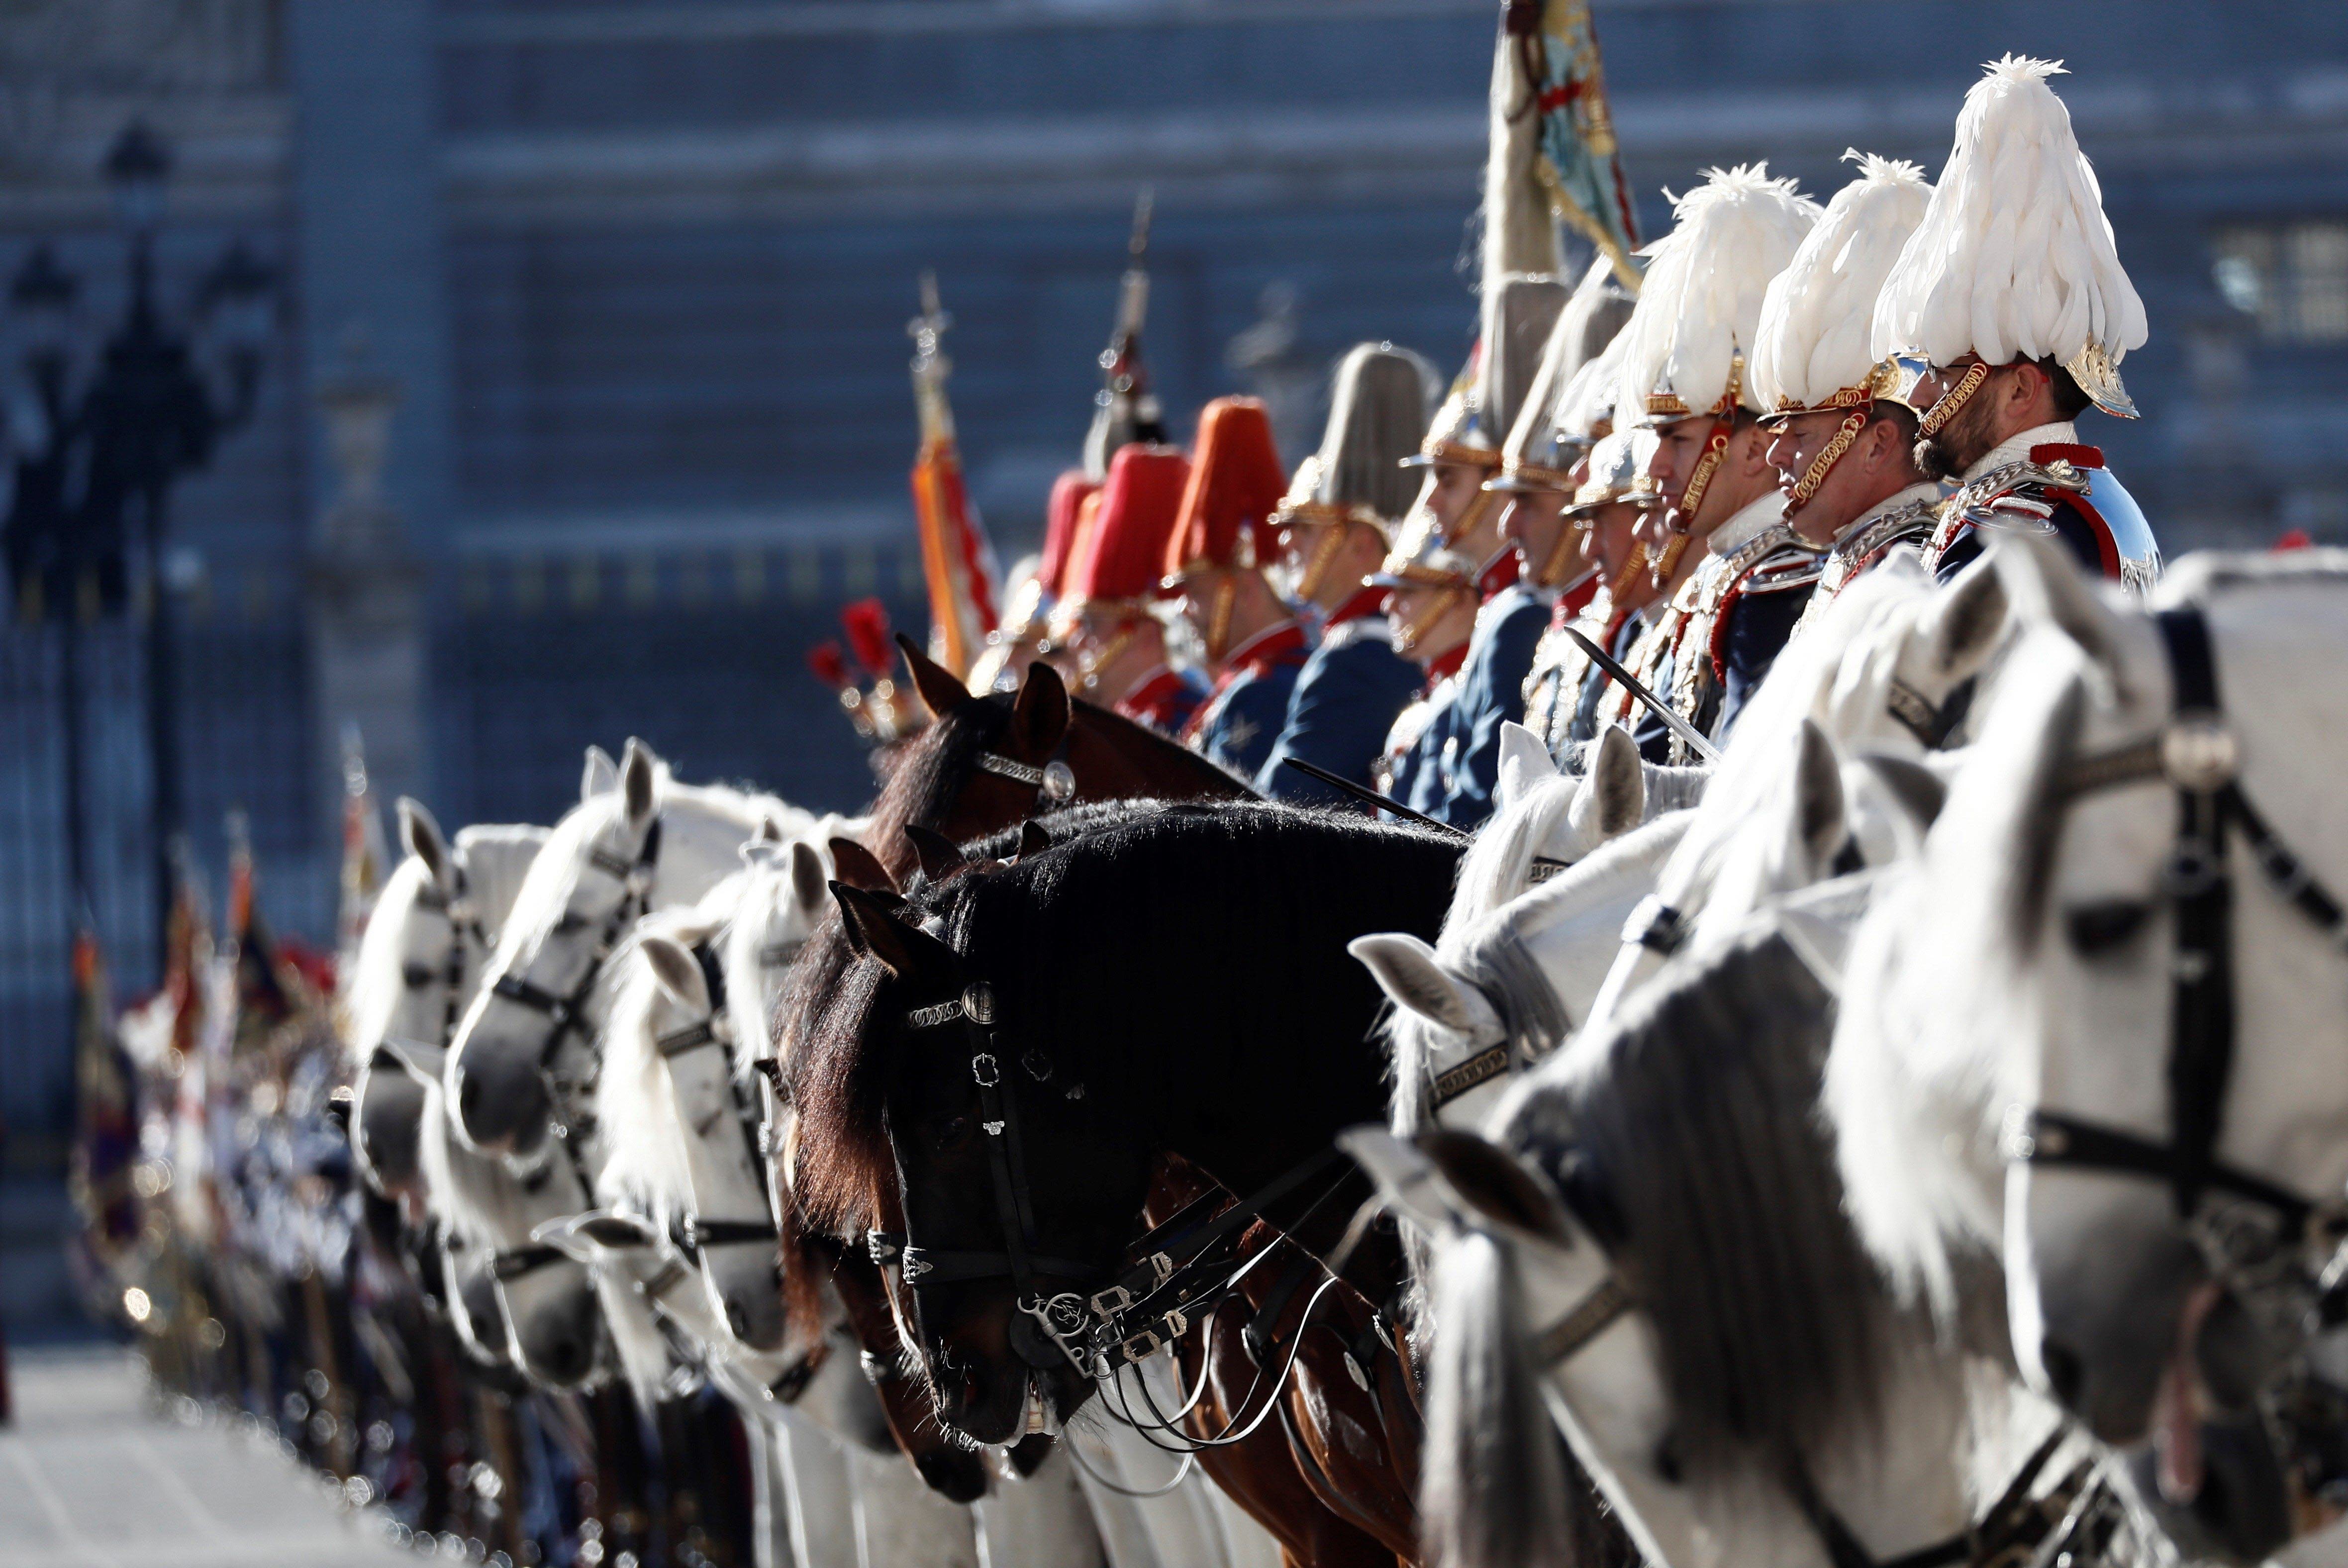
x=1449, y=490
x=1613, y=529
x=1679, y=447
x=1534, y=523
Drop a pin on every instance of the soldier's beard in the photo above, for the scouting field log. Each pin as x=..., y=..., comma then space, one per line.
x=1962, y=443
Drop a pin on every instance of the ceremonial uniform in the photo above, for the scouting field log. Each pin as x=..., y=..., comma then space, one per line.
x=2044, y=481
x=1345, y=701
x=1724, y=629
x=1349, y=494
x=1166, y=699
x=1458, y=753
x=1413, y=770
x=1684, y=366
x=1248, y=707
x=1905, y=517
x=2062, y=303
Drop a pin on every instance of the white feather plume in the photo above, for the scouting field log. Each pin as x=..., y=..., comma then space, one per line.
x=2014, y=258
x=1700, y=303
x=1817, y=318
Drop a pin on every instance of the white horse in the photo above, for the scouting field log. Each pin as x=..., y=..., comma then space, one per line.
x=427, y=942
x=1665, y=1264
x=2152, y=1022
x=1883, y=677
x=525, y=1046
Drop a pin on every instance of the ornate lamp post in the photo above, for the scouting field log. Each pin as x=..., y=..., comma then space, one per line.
x=93, y=478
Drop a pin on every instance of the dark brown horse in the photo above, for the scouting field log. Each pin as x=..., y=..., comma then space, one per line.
x=1170, y=986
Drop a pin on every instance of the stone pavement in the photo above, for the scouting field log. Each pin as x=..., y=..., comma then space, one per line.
x=90, y=1478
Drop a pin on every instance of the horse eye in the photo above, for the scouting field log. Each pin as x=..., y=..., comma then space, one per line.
x=955, y=1131
x=570, y=920
x=419, y=975
x=2096, y=929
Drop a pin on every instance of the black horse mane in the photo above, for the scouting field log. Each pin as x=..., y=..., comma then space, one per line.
x=1090, y=947
x=1691, y=1136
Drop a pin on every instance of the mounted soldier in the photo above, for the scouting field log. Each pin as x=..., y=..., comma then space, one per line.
x=2007, y=318
x=1562, y=690
x=1685, y=366
x=1253, y=643
x=1336, y=525
x=1107, y=618
x=1843, y=449
x=1520, y=310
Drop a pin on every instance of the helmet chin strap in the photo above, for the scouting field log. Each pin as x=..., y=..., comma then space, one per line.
x=1406, y=636
x=1323, y=556
x=1839, y=446
x=1715, y=448
x=1219, y=618
x=1634, y=568
x=1550, y=573
x=1935, y=420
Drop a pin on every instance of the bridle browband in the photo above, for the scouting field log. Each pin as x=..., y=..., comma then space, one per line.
x=2200, y=758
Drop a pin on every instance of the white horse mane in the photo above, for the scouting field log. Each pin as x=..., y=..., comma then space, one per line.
x=644, y=1168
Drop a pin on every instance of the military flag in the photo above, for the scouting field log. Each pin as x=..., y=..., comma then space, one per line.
x=1564, y=95
x=957, y=560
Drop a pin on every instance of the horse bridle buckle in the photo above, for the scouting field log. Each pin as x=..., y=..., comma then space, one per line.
x=2200, y=754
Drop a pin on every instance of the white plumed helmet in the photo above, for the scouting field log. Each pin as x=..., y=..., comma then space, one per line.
x=2015, y=259
x=1812, y=349
x=1700, y=305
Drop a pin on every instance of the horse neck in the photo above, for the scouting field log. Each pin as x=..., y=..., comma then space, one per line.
x=1113, y=757
x=702, y=834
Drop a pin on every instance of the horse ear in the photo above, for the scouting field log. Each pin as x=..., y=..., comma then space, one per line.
x=1613, y=799
x=1917, y=788
x=1449, y=1179
x=600, y=776
x=1819, y=818
x=876, y=932
x=2046, y=586
x=1524, y=762
x=770, y=832
x=1964, y=623
x=1032, y=839
x=1039, y=713
x=808, y=878
x=857, y=866
x=419, y=835
x=938, y=855
x=940, y=693
x=638, y=769
x=678, y=972
x=1405, y=969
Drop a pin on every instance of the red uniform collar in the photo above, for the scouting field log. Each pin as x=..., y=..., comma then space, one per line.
x=1576, y=598
x=1364, y=602
x=2077, y=456
x=1501, y=572
x=1445, y=667
x=1150, y=695
x=1267, y=650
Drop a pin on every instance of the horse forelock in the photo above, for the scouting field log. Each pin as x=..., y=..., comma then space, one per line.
x=930, y=776
x=1695, y=1116
x=637, y=1120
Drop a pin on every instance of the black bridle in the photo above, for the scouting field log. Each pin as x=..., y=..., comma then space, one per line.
x=693, y=1232
x=562, y=1011
x=464, y=921
x=2199, y=757
x=1140, y=1311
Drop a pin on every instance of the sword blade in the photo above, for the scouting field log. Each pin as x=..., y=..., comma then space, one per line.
x=1631, y=683
x=1370, y=797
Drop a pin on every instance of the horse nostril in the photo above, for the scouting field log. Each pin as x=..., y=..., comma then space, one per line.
x=737, y=1320
x=2066, y=1374
x=468, y=1098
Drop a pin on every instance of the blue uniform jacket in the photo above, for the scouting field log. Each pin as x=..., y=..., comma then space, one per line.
x=1454, y=766
x=1346, y=699
x=1240, y=724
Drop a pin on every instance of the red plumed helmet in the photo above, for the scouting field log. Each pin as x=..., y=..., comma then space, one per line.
x=867, y=624
x=1235, y=486
x=1060, y=515
x=1126, y=547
